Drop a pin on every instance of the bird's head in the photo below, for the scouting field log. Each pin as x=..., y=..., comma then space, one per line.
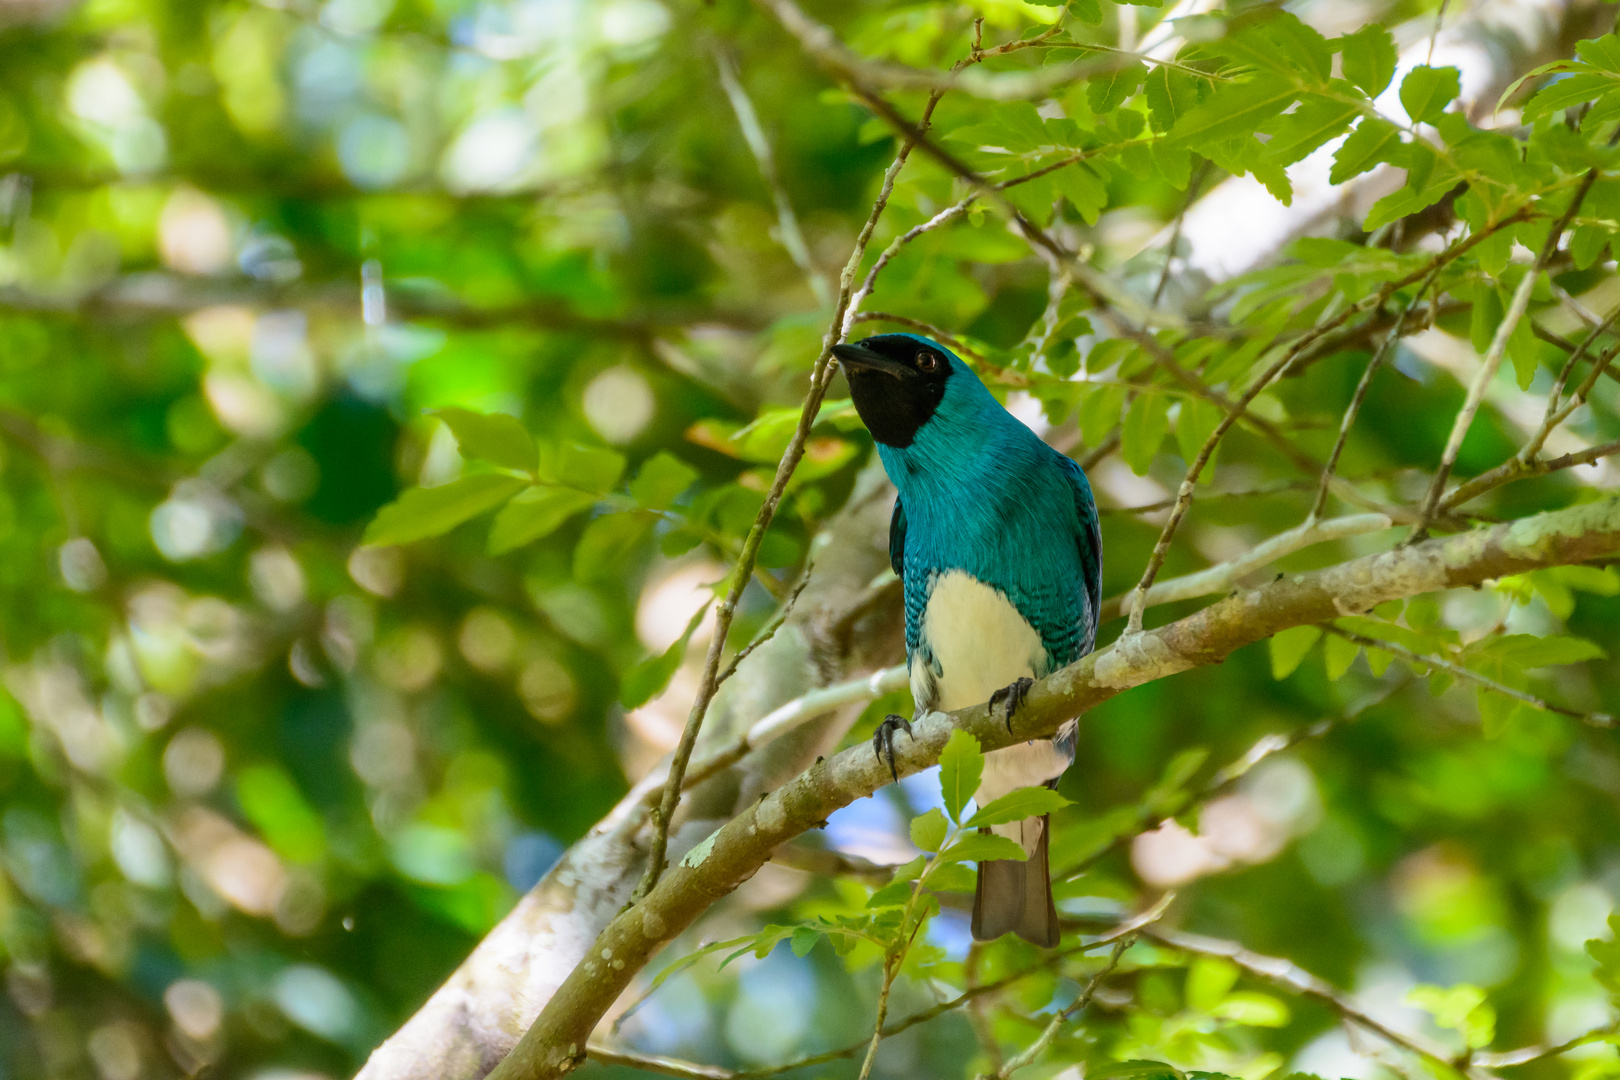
x=900, y=382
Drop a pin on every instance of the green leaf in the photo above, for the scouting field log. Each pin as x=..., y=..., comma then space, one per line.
x=982, y=847
x=662, y=479
x=1426, y=91
x=1289, y=647
x=1170, y=96
x=1252, y=1009
x=492, y=437
x=1087, y=11
x=951, y=877
x=1409, y=200
x=1278, y=41
x=1486, y=316
x=1602, y=52
x=1135, y=1070
x=928, y=830
x=912, y=870
x=1235, y=109
x=1338, y=653
x=894, y=894
x=590, y=468
x=605, y=547
x=1567, y=91
x=1083, y=189
x=1017, y=805
x=1606, y=954
x=1369, y=58
x=960, y=767
x=647, y=679
x=1373, y=142
x=803, y=940
x=1147, y=422
x=1099, y=411
x=1194, y=426
x=535, y=513
x=1209, y=980
x=1529, y=651
x=1105, y=93
x=677, y=966
x=423, y=512
x=1586, y=245
x=1315, y=122
x=1174, y=162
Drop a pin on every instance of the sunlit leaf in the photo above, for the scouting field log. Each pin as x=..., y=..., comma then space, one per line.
x=1017, y=805
x=493, y=437
x=424, y=512
x=960, y=766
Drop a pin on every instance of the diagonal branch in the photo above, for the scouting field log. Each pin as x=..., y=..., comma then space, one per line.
x=555, y=1044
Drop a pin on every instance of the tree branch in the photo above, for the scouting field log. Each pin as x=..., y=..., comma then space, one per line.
x=554, y=1045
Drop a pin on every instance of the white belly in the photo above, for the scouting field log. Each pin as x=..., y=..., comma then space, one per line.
x=979, y=643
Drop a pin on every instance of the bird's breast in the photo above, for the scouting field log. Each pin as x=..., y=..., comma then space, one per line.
x=974, y=641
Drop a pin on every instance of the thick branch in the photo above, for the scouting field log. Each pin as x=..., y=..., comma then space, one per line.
x=556, y=1043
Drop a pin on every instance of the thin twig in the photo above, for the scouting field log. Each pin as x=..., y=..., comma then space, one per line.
x=1175, y=231
x=1385, y=350
x=768, y=631
x=787, y=223
x=1597, y=720
x=1493, y=360
x=1507, y=1059
x=1526, y=462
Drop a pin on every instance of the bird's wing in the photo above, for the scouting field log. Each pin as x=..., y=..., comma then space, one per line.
x=1090, y=535
x=897, y=538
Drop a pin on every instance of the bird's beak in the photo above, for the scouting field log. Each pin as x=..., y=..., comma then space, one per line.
x=860, y=357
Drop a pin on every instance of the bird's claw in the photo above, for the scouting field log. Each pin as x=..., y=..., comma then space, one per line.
x=1013, y=694
x=883, y=741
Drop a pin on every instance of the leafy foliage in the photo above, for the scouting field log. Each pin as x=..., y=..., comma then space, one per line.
x=387, y=390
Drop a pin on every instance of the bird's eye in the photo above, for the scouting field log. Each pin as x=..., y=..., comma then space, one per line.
x=927, y=362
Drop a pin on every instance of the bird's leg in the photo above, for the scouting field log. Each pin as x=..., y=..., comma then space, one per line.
x=883, y=741
x=1013, y=694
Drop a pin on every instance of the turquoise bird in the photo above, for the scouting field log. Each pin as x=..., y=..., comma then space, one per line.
x=995, y=539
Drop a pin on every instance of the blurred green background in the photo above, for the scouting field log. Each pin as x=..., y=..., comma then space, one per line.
x=261, y=789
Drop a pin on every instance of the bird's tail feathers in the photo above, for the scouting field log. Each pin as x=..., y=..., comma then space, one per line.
x=1016, y=897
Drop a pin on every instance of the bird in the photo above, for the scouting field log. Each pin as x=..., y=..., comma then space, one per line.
x=996, y=541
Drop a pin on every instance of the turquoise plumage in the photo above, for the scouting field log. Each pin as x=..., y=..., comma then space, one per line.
x=1029, y=528
x=995, y=538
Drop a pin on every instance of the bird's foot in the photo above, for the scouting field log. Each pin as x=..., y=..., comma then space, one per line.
x=1013, y=694
x=883, y=741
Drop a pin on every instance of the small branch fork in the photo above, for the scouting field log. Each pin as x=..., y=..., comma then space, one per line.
x=1493, y=358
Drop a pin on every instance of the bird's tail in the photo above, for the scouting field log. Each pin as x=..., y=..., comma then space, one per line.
x=1016, y=897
